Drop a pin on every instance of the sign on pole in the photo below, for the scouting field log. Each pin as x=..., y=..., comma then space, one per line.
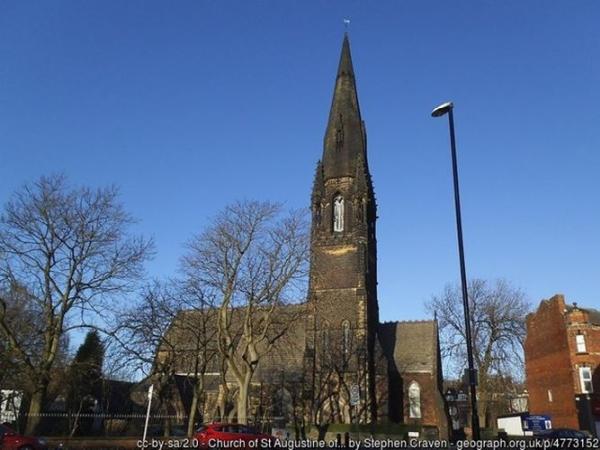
x=150, y=392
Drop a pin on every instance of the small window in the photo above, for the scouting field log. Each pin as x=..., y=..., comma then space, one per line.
x=346, y=336
x=580, y=340
x=550, y=399
x=585, y=377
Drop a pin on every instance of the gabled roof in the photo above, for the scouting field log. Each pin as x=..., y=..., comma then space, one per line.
x=183, y=336
x=411, y=345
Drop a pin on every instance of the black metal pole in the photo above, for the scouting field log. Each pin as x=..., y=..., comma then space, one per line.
x=463, y=280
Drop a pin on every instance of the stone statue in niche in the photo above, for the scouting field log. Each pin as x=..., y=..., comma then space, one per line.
x=338, y=213
x=359, y=210
x=317, y=212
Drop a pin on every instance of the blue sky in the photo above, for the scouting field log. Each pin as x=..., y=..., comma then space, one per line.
x=190, y=105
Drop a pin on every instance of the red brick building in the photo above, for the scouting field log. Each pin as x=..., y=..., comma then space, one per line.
x=562, y=361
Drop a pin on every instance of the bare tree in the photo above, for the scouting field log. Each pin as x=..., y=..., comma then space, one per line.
x=253, y=259
x=197, y=327
x=148, y=338
x=339, y=367
x=69, y=248
x=498, y=313
x=21, y=314
x=280, y=397
x=170, y=331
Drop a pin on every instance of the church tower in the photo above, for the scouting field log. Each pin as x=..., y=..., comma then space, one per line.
x=343, y=317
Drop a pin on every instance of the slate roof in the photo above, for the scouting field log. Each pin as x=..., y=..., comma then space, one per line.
x=345, y=135
x=411, y=345
x=287, y=354
x=593, y=314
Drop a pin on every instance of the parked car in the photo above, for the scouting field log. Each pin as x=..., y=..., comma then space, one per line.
x=215, y=435
x=158, y=431
x=11, y=440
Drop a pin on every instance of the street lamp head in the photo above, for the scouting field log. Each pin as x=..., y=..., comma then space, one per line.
x=442, y=109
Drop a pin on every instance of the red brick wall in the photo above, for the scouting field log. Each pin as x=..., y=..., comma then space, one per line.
x=548, y=364
x=432, y=403
x=578, y=323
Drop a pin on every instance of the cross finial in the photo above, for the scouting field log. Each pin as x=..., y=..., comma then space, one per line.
x=346, y=24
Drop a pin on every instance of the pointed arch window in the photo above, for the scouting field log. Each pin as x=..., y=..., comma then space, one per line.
x=338, y=213
x=325, y=336
x=346, y=337
x=414, y=400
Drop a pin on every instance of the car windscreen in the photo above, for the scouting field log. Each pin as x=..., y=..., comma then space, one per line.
x=243, y=429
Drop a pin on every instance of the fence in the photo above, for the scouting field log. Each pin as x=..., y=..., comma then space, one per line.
x=105, y=425
x=61, y=424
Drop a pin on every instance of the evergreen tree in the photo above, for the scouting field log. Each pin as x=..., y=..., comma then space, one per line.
x=85, y=381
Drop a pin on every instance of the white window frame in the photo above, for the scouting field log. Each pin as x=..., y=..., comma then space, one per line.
x=580, y=342
x=414, y=400
x=585, y=376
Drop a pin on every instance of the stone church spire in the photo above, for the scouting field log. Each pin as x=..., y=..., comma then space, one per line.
x=345, y=135
x=344, y=315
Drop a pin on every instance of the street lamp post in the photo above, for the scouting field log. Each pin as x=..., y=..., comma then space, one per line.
x=447, y=108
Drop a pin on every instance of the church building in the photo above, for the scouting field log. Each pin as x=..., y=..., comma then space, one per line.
x=390, y=371
x=348, y=366
x=342, y=298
